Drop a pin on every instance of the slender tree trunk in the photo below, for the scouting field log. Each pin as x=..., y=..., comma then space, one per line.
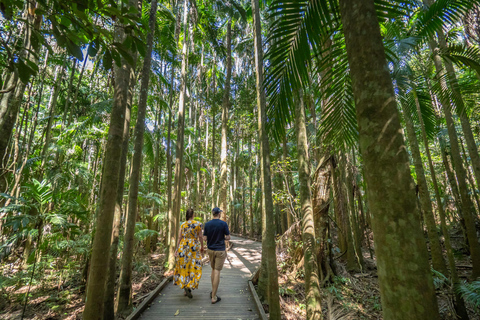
x=51, y=106
x=214, y=130
x=69, y=92
x=466, y=128
x=399, y=242
x=468, y=210
x=268, y=237
x=354, y=224
x=77, y=89
x=10, y=102
x=321, y=205
x=225, y=107
x=171, y=219
x=342, y=214
x=339, y=208
x=425, y=203
x=109, y=309
x=177, y=189
x=288, y=187
x=458, y=303
x=151, y=241
x=124, y=296
x=250, y=178
x=312, y=277
x=94, y=305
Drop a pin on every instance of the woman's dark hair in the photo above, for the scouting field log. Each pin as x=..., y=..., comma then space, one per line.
x=189, y=214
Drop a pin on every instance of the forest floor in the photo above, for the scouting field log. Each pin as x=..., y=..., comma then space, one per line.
x=354, y=296
x=349, y=296
x=50, y=301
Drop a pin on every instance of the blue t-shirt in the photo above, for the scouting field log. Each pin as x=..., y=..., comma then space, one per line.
x=216, y=230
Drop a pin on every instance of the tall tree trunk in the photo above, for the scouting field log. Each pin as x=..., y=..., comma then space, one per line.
x=341, y=212
x=468, y=210
x=354, y=223
x=225, y=107
x=320, y=206
x=214, y=130
x=52, y=103
x=177, y=189
x=124, y=296
x=77, y=89
x=250, y=178
x=94, y=305
x=268, y=237
x=11, y=100
x=109, y=308
x=466, y=128
x=425, y=203
x=339, y=205
x=289, y=188
x=399, y=243
x=312, y=277
x=171, y=219
x=459, y=304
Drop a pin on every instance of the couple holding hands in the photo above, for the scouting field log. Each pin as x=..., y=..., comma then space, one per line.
x=188, y=265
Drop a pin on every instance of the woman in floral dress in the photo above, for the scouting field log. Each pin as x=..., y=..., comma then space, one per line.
x=188, y=266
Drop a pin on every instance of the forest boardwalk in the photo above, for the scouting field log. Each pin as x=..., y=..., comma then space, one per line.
x=237, y=301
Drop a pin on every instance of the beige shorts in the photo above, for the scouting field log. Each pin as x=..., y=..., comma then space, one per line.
x=217, y=259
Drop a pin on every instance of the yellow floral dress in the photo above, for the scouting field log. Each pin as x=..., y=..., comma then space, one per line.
x=188, y=267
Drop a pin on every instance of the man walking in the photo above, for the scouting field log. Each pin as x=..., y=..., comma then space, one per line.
x=215, y=233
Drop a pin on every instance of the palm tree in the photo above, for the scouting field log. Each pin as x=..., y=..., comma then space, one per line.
x=108, y=193
x=179, y=165
x=268, y=241
x=124, y=297
x=297, y=27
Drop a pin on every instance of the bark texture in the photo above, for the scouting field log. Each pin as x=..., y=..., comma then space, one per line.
x=438, y=262
x=312, y=277
x=225, y=107
x=268, y=240
x=124, y=297
x=468, y=209
x=177, y=188
x=406, y=284
x=108, y=193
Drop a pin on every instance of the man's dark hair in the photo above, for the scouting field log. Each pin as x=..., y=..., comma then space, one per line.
x=216, y=211
x=189, y=214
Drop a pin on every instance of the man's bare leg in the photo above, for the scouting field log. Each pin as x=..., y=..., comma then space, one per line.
x=212, y=276
x=215, y=283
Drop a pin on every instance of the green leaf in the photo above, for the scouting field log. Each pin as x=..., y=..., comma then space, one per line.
x=124, y=52
x=24, y=71
x=74, y=50
x=92, y=49
x=107, y=60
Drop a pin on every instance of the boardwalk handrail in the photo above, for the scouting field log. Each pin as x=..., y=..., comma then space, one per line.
x=138, y=311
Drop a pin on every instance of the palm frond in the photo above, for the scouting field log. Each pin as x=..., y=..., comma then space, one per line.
x=149, y=146
x=338, y=123
x=410, y=100
x=297, y=28
x=433, y=18
x=470, y=292
x=463, y=56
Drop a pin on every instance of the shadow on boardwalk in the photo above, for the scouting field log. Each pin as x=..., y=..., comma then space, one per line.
x=237, y=301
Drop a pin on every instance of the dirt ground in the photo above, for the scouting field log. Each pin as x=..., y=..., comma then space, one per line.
x=51, y=302
x=357, y=296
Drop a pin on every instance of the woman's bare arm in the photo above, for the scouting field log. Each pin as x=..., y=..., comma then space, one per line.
x=180, y=236
x=200, y=238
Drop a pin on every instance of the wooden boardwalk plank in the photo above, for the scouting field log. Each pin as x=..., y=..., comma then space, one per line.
x=237, y=301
